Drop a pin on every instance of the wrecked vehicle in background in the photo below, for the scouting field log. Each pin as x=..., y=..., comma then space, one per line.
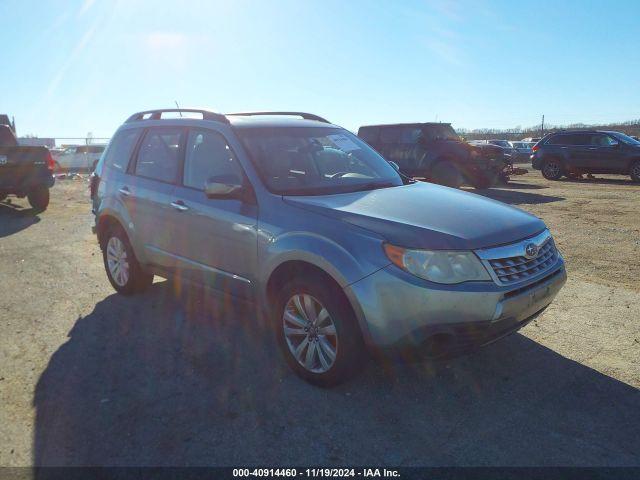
x=435, y=152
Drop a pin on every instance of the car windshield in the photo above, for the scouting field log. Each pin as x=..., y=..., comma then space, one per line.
x=500, y=143
x=440, y=132
x=625, y=138
x=316, y=161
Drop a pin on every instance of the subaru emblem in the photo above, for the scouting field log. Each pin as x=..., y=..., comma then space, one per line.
x=531, y=250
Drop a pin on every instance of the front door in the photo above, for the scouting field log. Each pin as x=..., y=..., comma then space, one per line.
x=216, y=241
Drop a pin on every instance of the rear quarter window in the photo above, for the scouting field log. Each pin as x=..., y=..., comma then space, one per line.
x=369, y=134
x=120, y=149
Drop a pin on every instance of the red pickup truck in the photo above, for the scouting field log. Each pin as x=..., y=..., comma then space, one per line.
x=24, y=171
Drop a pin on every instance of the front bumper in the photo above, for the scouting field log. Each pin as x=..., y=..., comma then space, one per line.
x=396, y=309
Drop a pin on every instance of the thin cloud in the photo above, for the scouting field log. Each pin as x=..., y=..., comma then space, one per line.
x=86, y=5
x=77, y=50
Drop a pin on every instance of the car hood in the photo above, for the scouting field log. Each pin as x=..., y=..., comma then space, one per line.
x=424, y=215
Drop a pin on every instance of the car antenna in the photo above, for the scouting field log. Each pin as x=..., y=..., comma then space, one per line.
x=176, y=102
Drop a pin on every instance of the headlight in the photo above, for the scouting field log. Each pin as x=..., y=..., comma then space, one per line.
x=438, y=266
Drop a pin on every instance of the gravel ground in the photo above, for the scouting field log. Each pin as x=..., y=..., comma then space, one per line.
x=170, y=377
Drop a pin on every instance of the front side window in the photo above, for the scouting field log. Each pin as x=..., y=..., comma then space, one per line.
x=440, y=132
x=411, y=135
x=159, y=154
x=120, y=149
x=603, y=141
x=209, y=158
x=316, y=161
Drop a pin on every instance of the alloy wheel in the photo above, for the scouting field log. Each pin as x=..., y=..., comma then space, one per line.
x=117, y=261
x=310, y=333
x=552, y=169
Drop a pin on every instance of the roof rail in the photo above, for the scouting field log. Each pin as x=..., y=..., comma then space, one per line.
x=157, y=114
x=306, y=116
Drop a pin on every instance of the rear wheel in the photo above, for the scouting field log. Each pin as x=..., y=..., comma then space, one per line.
x=445, y=173
x=634, y=171
x=317, y=331
x=39, y=198
x=552, y=169
x=123, y=269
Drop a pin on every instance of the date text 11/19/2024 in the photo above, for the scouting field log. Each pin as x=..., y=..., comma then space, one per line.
x=316, y=472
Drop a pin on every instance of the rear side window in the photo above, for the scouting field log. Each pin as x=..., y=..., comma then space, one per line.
x=120, y=149
x=570, y=139
x=390, y=134
x=159, y=154
x=209, y=158
x=369, y=134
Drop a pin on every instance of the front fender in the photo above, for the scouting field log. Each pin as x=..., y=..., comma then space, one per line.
x=344, y=266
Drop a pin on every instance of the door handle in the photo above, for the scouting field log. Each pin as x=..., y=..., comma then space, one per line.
x=179, y=205
x=125, y=191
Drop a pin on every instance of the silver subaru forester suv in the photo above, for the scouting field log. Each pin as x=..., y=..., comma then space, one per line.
x=341, y=252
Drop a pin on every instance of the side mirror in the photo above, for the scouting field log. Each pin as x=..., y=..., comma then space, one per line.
x=394, y=165
x=224, y=187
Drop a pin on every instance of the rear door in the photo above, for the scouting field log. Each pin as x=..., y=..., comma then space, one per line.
x=574, y=147
x=149, y=192
x=216, y=240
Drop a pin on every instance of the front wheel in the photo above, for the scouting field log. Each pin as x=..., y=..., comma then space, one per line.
x=317, y=331
x=634, y=171
x=39, y=198
x=552, y=169
x=123, y=269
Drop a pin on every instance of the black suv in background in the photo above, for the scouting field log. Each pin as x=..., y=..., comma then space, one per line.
x=573, y=153
x=435, y=151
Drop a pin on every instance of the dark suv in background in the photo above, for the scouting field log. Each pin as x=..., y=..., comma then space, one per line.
x=435, y=151
x=573, y=153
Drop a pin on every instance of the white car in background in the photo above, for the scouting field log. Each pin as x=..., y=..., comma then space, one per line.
x=78, y=157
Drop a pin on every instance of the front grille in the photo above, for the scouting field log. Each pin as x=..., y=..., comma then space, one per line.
x=516, y=269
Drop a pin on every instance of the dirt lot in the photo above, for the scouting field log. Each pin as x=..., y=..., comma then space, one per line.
x=88, y=377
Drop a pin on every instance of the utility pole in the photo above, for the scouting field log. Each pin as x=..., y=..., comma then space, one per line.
x=542, y=126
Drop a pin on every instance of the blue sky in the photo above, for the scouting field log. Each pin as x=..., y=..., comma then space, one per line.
x=70, y=67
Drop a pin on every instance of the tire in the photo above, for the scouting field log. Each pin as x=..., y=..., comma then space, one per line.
x=445, y=173
x=123, y=269
x=634, y=171
x=39, y=198
x=336, y=355
x=552, y=169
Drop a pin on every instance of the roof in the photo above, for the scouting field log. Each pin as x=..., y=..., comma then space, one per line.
x=274, y=122
x=415, y=124
x=240, y=120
